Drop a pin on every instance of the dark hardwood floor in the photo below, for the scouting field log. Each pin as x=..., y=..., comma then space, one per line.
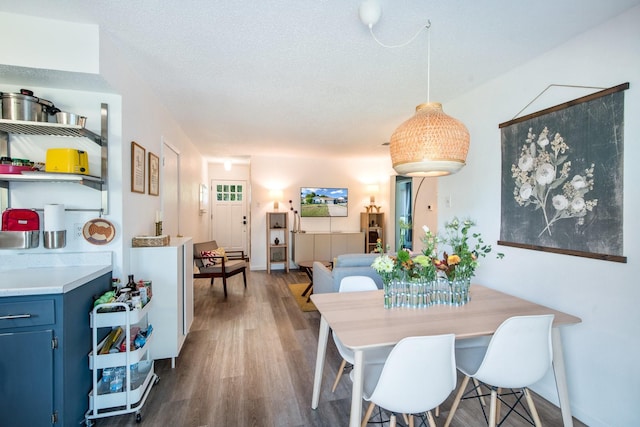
x=249, y=361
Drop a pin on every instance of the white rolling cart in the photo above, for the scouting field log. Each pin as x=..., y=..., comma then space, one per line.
x=105, y=401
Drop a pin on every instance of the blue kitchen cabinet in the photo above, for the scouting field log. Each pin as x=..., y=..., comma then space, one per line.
x=26, y=375
x=44, y=375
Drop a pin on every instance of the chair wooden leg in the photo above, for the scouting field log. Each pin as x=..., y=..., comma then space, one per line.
x=224, y=285
x=392, y=421
x=244, y=278
x=498, y=405
x=456, y=401
x=438, y=411
x=477, y=384
x=532, y=408
x=432, y=422
x=405, y=418
x=212, y=281
x=339, y=375
x=367, y=414
x=492, y=409
x=411, y=421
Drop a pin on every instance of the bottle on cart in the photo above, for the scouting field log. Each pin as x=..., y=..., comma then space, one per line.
x=144, y=295
x=136, y=301
x=124, y=293
x=130, y=286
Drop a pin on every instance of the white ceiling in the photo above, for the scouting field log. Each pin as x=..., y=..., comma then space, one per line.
x=305, y=76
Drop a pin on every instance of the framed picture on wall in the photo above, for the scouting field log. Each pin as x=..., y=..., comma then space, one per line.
x=562, y=178
x=154, y=174
x=137, y=168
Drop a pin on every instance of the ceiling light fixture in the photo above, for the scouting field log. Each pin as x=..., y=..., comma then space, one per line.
x=430, y=143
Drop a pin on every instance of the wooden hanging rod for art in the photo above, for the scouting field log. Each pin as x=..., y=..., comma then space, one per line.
x=587, y=98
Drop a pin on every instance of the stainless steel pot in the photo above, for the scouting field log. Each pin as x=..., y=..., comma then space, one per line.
x=25, y=106
x=66, y=118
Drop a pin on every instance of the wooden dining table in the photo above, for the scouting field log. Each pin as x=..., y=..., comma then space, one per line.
x=361, y=322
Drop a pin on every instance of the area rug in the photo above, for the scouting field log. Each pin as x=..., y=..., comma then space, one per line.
x=296, y=290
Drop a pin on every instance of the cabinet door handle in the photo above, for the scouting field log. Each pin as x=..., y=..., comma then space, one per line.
x=15, y=316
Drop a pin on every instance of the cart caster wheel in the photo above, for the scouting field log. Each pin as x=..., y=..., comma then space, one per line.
x=138, y=418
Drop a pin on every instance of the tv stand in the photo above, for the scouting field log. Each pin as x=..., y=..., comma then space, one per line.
x=325, y=245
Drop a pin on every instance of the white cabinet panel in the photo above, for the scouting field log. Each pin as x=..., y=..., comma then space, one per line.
x=170, y=268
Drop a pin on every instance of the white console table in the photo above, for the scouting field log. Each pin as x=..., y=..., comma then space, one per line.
x=326, y=246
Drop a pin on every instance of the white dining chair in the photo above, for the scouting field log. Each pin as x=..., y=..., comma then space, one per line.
x=357, y=284
x=418, y=375
x=518, y=355
x=379, y=354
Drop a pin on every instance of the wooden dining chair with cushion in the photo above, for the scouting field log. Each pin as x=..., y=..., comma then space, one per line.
x=212, y=261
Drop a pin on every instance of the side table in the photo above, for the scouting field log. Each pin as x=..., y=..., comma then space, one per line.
x=307, y=267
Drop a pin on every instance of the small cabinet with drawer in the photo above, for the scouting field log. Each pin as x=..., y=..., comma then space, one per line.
x=43, y=367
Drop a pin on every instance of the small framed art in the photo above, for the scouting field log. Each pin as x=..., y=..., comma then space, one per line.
x=137, y=168
x=154, y=174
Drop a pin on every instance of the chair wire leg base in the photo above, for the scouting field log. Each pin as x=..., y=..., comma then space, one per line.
x=530, y=416
x=513, y=407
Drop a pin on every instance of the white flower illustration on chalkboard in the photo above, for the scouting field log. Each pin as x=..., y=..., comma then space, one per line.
x=542, y=180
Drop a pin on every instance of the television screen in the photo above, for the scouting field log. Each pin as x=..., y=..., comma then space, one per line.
x=323, y=202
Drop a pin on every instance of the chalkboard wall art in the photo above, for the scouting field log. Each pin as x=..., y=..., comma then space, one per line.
x=562, y=178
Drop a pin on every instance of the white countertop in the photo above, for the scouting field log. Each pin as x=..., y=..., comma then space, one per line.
x=42, y=274
x=47, y=280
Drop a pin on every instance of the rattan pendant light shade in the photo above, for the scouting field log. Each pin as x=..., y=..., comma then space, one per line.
x=430, y=143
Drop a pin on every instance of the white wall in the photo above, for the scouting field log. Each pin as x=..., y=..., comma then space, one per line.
x=146, y=121
x=58, y=37
x=601, y=353
x=289, y=174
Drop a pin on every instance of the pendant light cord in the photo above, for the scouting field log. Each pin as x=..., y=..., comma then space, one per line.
x=393, y=46
x=428, y=27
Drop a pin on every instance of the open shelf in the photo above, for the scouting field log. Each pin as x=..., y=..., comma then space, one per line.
x=23, y=127
x=88, y=180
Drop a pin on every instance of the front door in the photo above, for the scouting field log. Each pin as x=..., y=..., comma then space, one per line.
x=229, y=214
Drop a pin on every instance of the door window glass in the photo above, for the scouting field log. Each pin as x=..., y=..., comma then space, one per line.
x=229, y=193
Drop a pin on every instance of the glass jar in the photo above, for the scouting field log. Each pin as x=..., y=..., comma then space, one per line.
x=388, y=300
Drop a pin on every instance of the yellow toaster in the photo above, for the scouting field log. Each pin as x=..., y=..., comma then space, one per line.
x=67, y=160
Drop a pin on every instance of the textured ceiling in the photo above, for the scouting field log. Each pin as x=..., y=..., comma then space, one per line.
x=306, y=76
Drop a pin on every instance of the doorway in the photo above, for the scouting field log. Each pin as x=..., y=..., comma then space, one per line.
x=170, y=186
x=229, y=214
x=403, y=209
